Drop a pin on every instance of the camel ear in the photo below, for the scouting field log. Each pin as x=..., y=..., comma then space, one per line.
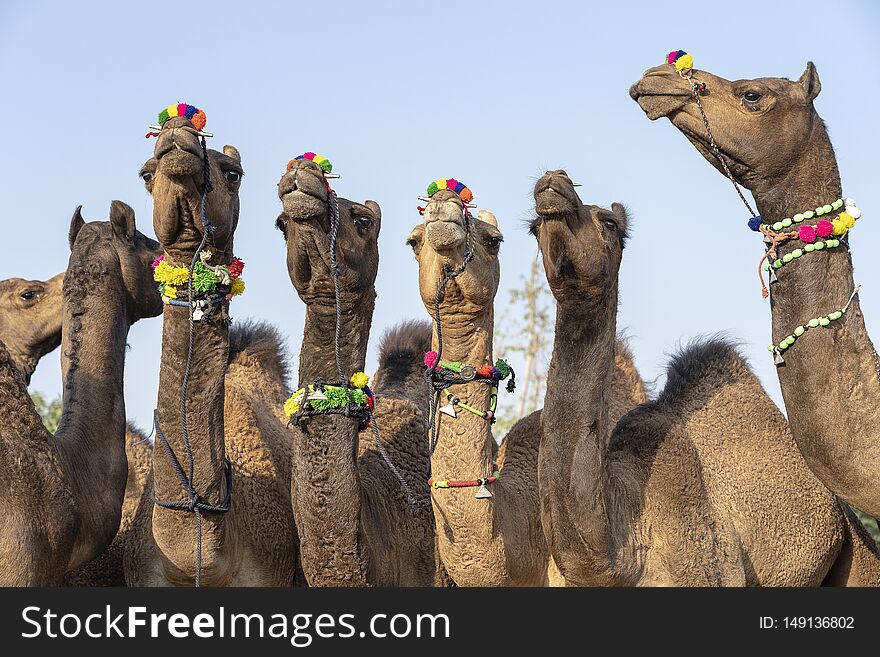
x=377, y=213
x=488, y=217
x=232, y=152
x=122, y=221
x=621, y=216
x=76, y=223
x=281, y=224
x=809, y=80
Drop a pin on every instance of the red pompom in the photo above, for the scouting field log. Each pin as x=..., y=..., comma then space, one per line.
x=236, y=267
x=807, y=234
x=485, y=371
x=431, y=359
x=824, y=228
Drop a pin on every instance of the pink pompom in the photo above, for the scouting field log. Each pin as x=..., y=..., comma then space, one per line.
x=431, y=359
x=807, y=234
x=824, y=228
x=670, y=58
x=158, y=260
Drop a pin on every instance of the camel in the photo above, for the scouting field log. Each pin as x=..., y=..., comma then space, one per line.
x=497, y=540
x=81, y=470
x=30, y=320
x=254, y=543
x=357, y=525
x=776, y=145
x=687, y=489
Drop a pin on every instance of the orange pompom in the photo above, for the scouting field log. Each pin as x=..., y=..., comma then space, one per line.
x=466, y=195
x=199, y=120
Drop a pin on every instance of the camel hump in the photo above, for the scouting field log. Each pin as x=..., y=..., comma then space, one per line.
x=402, y=350
x=262, y=342
x=706, y=363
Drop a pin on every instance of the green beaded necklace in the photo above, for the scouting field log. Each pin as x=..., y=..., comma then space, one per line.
x=816, y=322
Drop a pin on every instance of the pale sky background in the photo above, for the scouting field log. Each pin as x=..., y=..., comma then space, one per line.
x=398, y=94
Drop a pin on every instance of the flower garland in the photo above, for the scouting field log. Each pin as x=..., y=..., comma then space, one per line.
x=486, y=373
x=207, y=279
x=325, y=397
x=196, y=116
x=452, y=185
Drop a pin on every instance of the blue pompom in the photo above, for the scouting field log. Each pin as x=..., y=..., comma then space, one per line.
x=755, y=222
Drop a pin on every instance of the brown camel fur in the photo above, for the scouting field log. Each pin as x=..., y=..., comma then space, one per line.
x=777, y=146
x=482, y=542
x=688, y=489
x=30, y=320
x=355, y=522
x=81, y=470
x=255, y=542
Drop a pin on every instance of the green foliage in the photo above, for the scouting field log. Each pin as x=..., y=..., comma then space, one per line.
x=50, y=411
x=870, y=524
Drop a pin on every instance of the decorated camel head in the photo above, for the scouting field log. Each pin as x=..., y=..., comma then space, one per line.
x=761, y=126
x=305, y=222
x=116, y=257
x=451, y=238
x=30, y=319
x=175, y=178
x=581, y=245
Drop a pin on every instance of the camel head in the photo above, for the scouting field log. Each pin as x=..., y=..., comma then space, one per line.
x=30, y=319
x=174, y=177
x=113, y=259
x=581, y=245
x=761, y=126
x=440, y=243
x=305, y=224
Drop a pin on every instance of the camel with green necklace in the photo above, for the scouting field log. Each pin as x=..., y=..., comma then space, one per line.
x=485, y=499
x=766, y=135
x=80, y=471
x=218, y=510
x=687, y=489
x=360, y=500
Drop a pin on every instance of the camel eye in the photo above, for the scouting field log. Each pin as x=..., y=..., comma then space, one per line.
x=493, y=243
x=751, y=96
x=28, y=295
x=232, y=176
x=609, y=224
x=146, y=176
x=362, y=222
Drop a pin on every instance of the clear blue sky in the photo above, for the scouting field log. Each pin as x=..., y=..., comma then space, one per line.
x=397, y=94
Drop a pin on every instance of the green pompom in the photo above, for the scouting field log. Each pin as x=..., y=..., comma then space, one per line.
x=204, y=279
x=432, y=189
x=502, y=366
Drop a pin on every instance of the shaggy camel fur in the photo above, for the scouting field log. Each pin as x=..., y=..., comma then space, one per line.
x=30, y=320
x=688, y=489
x=777, y=146
x=81, y=470
x=355, y=521
x=255, y=542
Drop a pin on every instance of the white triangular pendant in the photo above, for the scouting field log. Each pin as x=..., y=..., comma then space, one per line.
x=773, y=277
x=483, y=493
x=449, y=410
x=778, y=359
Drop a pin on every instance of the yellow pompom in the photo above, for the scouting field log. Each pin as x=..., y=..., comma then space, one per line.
x=839, y=228
x=359, y=379
x=237, y=287
x=170, y=291
x=291, y=406
x=683, y=62
x=165, y=273
x=847, y=219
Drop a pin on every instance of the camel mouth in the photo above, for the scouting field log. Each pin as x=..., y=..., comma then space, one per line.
x=303, y=206
x=660, y=92
x=445, y=233
x=551, y=203
x=180, y=163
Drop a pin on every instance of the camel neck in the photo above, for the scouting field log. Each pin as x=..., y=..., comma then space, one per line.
x=829, y=368
x=574, y=441
x=205, y=397
x=91, y=433
x=326, y=487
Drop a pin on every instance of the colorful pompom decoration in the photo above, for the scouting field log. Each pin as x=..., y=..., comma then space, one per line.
x=359, y=380
x=755, y=222
x=452, y=185
x=431, y=359
x=680, y=59
x=807, y=234
x=824, y=228
x=196, y=116
x=320, y=160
